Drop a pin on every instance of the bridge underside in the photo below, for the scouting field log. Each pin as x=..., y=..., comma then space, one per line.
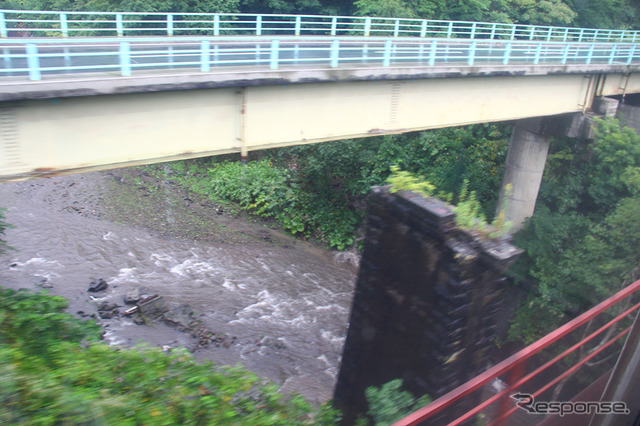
x=45, y=137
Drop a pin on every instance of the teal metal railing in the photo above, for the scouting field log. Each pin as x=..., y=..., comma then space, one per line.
x=17, y=23
x=34, y=58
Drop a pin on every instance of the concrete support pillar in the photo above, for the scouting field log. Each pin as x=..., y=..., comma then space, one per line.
x=426, y=302
x=524, y=168
x=629, y=112
x=528, y=150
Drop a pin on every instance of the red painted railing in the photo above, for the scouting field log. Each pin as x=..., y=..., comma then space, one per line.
x=516, y=363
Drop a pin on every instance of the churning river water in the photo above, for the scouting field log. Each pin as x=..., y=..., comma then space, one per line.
x=286, y=303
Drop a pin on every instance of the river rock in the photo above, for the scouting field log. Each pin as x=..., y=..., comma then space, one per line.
x=99, y=285
x=183, y=318
x=44, y=283
x=153, y=307
x=132, y=297
x=272, y=343
x=108, y=310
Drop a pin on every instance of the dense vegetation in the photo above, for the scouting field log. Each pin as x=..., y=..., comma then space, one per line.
x=585, y=13
x=54, y=371
x=318, y=191
x=581, y=244
x=3, y=227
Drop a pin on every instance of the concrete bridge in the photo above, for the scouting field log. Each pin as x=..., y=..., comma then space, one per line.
x=70, y=104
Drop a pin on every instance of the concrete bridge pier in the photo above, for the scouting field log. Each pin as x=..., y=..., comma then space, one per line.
x=524, y=168
x=528, y=150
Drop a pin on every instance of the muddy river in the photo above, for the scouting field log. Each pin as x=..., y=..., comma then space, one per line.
x=283, y=304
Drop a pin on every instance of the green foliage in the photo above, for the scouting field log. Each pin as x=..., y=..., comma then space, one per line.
x=401, y=180
x=178, y=6
x=3, y=227
x=580, y=245
x=469, y=211
x=315, y=7
x=318, y=191
x=621, y=14
x=35, y=321
x=386, y=8
x=67, y=383
x=389, y=403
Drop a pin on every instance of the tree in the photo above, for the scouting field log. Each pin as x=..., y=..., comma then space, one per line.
x=581, y=244
x=3, y=227
x=312, y=7
x=177, y=6
x=606, y=13
x=386, y=8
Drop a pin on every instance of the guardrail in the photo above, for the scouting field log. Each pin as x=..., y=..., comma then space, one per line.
x=35, y=58
x=17, y=23
x=610, y=328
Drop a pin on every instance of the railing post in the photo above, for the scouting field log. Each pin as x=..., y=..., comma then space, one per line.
x=565, y=54
x=507, y=54
x=170, y=24
x=259, y=25
x=631, y=52
x=513, y=32
x=67, y=59
x=566, y=35
x=33, y=61
x=298, y=25
x=595, y=35
x=473, y=31
x=119, y=25
x=274, y=56
x=472, y=53
x=450, y=29
x=216, y=25
x=64, y=26
x=493, y=32
x=423, y=28
x=635, y=34
x=590, y=53
x=581, y=34
x=170, y=56
x=396, y=28
x=334, y=26
x=432, y=52
x=549, y=33
x=335, y=53
x=7, y=60
x=386, y=60
x=367, y=26
x=125, y=59
x=205, y=58
x=3, y=26
x=613, y=53
x=532, y=32
x=536, y=59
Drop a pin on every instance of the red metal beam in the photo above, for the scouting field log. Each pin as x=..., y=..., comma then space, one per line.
x=567, y=373
x=515, y=359
x=543, y=367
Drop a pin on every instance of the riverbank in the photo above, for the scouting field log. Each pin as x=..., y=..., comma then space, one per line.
x=282, y=302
